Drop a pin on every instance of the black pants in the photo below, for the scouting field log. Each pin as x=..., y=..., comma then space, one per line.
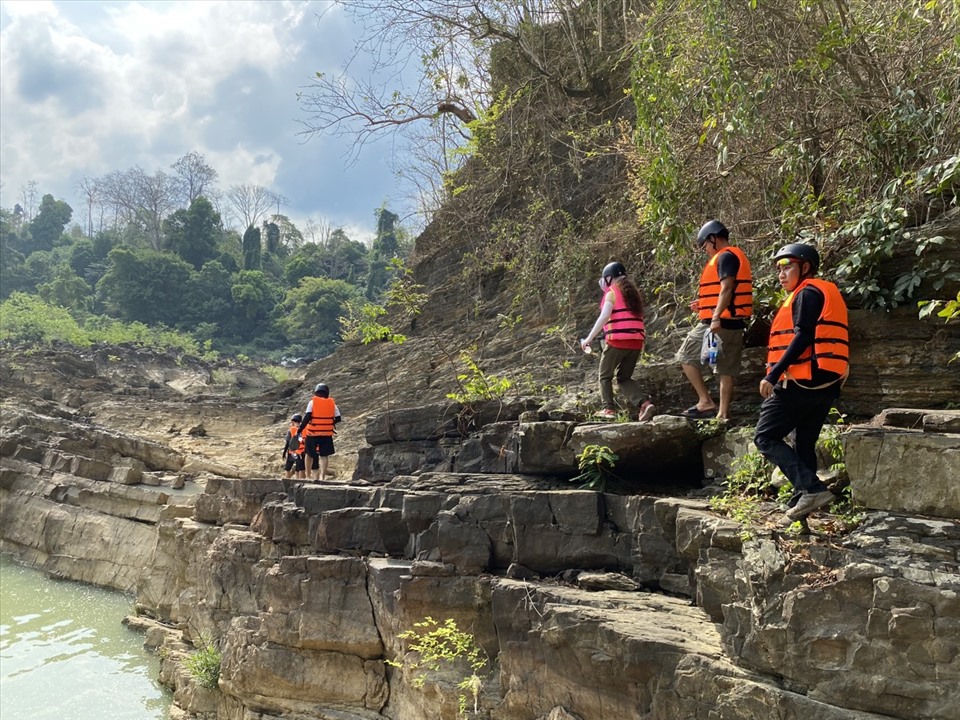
x=804, y=411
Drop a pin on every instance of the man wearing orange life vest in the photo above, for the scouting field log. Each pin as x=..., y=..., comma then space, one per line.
x=293, y=450
x=807, y=363
x=317, y=428
x=621, y=322
x=723, y=305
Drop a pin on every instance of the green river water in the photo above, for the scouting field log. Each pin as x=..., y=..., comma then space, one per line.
x=65, y=655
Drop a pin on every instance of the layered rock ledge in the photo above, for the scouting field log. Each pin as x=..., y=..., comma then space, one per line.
x=633, y=603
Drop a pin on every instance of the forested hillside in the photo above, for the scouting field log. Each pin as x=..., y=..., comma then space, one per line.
x=550, y=138
x=154, y=261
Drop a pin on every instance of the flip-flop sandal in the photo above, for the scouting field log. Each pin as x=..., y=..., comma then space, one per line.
x=695, y=414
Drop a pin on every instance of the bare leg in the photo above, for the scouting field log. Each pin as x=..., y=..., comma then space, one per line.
x=704, y=401
x=726, y=396
x=324, y=463
x=309, y=464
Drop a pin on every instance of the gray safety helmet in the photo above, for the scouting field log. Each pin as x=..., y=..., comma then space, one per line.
x=321, y=390
x=800, y=251
x=297, y=418
x=714, y=228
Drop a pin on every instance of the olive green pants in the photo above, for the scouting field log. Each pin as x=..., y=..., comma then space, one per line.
x=619, y=363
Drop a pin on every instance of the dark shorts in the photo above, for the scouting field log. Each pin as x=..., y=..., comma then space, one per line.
x=319, y=445
x=295, y=462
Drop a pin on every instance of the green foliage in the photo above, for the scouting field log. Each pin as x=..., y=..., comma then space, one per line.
x=730, y=102
x=251, y=248
x=882, y=233
x=831, y=439
x=47, y=227
x=28, y=319
x=747, y=484
x=596, y=463
x=847, y=515
x=204, y=663
x=476, y=386
x=444, y=646
x=314, y=310
x=403, y=299
x=193, y=233
x=949, y=310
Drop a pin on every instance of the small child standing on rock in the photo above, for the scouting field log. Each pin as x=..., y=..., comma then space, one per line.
x=293, y=450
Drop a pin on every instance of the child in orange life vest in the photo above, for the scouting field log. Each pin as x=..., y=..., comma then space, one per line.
x=294, y=450
x=807, y=363
x=621, y=321
x=317, y=427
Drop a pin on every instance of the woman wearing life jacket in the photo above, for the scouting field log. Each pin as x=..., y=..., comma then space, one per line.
x=294, y=450
x=621, y=322
x=807, y=364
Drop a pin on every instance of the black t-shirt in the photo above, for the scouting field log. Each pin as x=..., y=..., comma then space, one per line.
x=807, y=308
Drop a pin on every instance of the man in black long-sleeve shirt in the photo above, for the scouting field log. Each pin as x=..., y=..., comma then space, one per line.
x=807, y=362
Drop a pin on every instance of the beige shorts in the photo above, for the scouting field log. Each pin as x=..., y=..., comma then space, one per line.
x=730, y=358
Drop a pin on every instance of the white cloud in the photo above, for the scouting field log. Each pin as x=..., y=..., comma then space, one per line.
x=89, y=88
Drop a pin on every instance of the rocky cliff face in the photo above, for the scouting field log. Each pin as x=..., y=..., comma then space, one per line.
x=636, y=602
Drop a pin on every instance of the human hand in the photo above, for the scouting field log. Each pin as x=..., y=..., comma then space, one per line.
x=766, y=389
x=695, y=305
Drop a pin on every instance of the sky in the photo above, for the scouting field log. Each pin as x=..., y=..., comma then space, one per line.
x=87, y=88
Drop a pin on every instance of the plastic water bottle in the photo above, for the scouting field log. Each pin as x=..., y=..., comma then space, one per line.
x=586, y=348
x=712, y=352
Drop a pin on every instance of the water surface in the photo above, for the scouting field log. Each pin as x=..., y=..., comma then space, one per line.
x=64, y=654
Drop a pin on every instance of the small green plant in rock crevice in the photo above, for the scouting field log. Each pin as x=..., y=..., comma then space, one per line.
x=204, y=663
x=745, y=487
x=596, y=464
x=444, y=646
x=831, y=440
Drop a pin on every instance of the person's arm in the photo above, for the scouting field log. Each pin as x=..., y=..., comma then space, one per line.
x=807, y=308
x=605, y=312
x=336, y=415
x=306, y=421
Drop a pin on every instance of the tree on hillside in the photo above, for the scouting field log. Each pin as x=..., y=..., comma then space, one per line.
x=254, y=299
x=145, y=286
x=567, y=45
x=312, y=310
x=385, y=248
x=193, y=233
x=66, y=290
x=193, y=177
x=248, y=203
x=251, y=248
x=47, y=227
x=139, y=201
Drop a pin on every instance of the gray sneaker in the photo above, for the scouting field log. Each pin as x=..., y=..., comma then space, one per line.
x=647, y=411
x=807, y=504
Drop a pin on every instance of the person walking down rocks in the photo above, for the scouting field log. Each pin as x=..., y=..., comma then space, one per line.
x=621, y=322
x=317, y=428
x=723, y=305
x=807, y=364
x=294, y=450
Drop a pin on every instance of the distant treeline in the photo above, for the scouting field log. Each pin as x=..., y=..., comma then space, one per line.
x=266, y=293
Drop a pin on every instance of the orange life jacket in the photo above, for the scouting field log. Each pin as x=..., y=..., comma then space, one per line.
x=298, y=449
x=831, y=346
x=741, y=305
x=322, y=413
x=624, y=328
